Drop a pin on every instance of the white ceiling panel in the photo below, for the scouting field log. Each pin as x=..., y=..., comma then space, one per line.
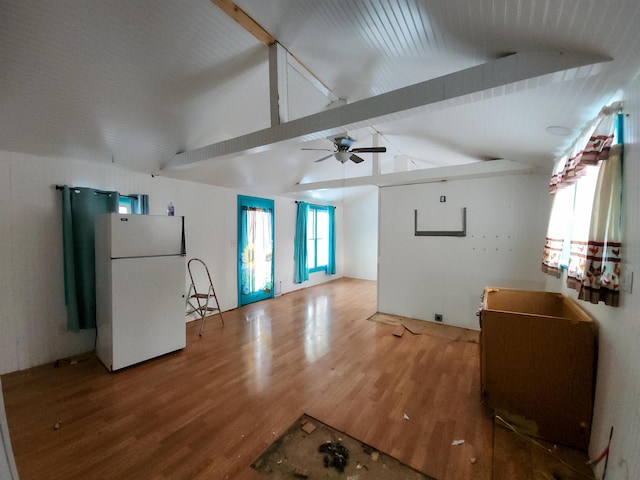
x=135, y=82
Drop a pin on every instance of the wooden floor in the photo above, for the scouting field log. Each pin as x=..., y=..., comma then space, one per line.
x=208, y=411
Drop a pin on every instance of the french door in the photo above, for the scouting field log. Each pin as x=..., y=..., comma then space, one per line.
x=255, y=249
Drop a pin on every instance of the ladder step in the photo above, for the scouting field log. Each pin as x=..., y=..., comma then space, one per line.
x=201, y=311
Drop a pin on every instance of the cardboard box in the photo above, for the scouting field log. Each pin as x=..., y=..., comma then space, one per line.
x=538, y=360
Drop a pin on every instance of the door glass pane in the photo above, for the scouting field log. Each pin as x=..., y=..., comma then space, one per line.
x=259, y=250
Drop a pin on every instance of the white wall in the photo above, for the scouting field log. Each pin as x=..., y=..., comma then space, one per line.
x=361, y=237
x=33, y=313
x=8, y=469
x=420, y=276
x=617, y=402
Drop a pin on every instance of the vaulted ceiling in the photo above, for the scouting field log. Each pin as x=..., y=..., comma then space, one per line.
x=182, y=89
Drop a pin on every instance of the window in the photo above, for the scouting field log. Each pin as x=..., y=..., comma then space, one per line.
x=317, y=238
x=584, y=234
x=124, y=204
x=576, y=202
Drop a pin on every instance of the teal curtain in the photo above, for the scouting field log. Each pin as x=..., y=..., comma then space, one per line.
x=331, y=261
x=80, y=206
x=301, y=271
x=139, y=204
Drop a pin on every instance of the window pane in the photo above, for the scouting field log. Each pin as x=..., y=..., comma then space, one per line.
x=323, y=238
x=323, y=224
x=323, y=252
x=311, y=254
x=311, y=222
x=124, y=205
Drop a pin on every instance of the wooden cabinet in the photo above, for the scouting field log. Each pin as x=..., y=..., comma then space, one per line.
x=538, y=360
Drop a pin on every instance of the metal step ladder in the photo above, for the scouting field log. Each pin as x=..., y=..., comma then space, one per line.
x=198, y=301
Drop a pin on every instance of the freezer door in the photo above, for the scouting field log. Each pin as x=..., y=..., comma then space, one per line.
x=148, y=308
x=145, y=235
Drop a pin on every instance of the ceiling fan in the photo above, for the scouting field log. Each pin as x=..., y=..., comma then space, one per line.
x=342, y=150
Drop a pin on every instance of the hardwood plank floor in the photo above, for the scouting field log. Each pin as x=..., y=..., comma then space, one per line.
x=208, y=411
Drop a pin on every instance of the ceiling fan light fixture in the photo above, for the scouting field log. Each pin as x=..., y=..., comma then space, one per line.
x=342, y=156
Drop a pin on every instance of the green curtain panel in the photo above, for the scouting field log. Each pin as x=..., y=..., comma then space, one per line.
x=80, y=206
x=301, y=271
x=140, y=204
x=331, y=261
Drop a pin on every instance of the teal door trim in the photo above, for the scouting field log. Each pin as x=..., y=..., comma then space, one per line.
x=266, y=290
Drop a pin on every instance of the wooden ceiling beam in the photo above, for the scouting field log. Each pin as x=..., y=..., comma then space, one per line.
x=279, y=58
x=248, y=23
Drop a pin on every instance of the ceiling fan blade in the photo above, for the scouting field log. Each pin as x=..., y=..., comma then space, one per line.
x=356, y=159
x=369, y=150
x=319, y=149
x=324, y=158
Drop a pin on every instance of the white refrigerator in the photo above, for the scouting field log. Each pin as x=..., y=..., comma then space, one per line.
x=140, y=288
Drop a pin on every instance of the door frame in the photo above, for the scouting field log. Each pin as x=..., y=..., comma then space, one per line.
x=266, y=204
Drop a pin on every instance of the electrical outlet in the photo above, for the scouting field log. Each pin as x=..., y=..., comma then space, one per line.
x=438, y=317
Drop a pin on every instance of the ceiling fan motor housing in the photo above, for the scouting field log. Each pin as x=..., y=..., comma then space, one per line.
x=343, y=143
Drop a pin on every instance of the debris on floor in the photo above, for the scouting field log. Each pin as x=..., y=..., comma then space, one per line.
x=301, y=472
x=457, y=442
x=71, y=361
x=398, y=331
x=337, y=455
x=406, y=417
x=297, y=453
x=307, y=426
